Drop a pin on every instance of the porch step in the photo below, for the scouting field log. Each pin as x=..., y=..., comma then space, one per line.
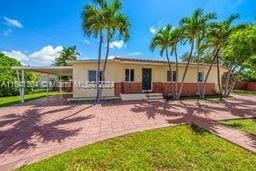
x=154, y=96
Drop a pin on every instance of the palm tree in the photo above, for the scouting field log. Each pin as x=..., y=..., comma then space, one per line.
x=103, y=17
x=116, y=22
x=163, y=40
x=176, y=37
x=93, y=24
x=68, y=53
x=192, y=28
x=217, y=36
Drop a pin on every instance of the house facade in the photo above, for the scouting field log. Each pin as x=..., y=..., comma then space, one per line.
x=134, y=77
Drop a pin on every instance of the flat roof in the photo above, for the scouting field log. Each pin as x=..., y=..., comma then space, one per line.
x=52, y=70
x=138, y=61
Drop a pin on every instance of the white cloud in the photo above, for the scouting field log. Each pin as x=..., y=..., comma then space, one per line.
x=153, y=30
x=45, y=56
x=87, y=42
x=111, y=57
x=13, y=22
x=117, y=44
x=20, y=56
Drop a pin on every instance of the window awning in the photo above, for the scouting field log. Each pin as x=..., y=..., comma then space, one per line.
x=52, y=70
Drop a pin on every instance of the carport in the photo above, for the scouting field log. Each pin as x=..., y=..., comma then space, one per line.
x=49, y=70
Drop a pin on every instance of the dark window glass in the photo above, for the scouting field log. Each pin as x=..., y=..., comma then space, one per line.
x=200, y=76
x=92, y=75
x=132, y=75
x=127, y=74
x=101, y=72
x=168, y=76
x=174, y=75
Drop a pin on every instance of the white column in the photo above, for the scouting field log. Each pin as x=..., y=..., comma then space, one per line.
x=47, y=85
x=23, y=86
x=19, y=83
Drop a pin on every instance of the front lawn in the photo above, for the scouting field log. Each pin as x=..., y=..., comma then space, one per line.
x=8, y=101
x=247, y=125
x=172, y=148
x=244, y=92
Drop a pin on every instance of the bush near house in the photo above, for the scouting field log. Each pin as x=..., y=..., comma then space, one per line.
x=8, y=76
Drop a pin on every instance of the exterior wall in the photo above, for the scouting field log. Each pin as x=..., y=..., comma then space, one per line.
x=116, y=72
x=80, y=75
x=251, y=86
x=241, y=85
x=189, y=89
x=159, y=72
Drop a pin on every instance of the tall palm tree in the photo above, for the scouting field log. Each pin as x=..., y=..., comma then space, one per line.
x=100, y=18
x=68, y=53
x=116, y=23
x=163, y=40
x=176, y=37
x=93, y=25
x=192, y=27
x=217, y=35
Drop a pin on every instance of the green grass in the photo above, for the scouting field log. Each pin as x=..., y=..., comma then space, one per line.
x=172, y=148
x=244, y=92
x=247, y=125
x=8, y=101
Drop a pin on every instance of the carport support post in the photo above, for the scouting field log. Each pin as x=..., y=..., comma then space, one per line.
x=19, y=83
x=22, y=86
x=47, y=85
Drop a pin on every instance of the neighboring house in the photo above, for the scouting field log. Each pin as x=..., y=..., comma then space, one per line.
x=133, y=77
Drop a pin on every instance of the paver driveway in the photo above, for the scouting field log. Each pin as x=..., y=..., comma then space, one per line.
x=45, y=127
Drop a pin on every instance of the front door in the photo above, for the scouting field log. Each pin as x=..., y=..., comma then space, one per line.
x=146, y=79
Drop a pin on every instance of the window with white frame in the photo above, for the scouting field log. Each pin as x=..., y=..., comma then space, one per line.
x=129, y=75
x=200, y=76
x=92, y=75
x=174, y=76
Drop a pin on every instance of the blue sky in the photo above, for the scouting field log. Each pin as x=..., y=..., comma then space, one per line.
x=35, y=31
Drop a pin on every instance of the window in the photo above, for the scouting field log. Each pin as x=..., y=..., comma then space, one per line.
x=93, y=75
x=174, y=76
x=129, y=74
x=200, y=76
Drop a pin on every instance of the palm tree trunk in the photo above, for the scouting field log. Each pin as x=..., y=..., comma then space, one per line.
x=234, y=82
x=208, y=72
x=186, y=69
x=98, y=70
x=197, y=70
x=170, y=71
x=218, y=76
x=106, y=57
x=105, y=62
x=228, y=80
x=177, y=69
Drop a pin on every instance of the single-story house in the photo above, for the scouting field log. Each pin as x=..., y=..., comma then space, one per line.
x=133, y=79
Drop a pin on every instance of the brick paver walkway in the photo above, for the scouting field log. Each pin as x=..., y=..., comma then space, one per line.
x=42, y=128
x=234, y=136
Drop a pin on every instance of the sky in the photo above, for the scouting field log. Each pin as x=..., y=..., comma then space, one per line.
x=34, y=32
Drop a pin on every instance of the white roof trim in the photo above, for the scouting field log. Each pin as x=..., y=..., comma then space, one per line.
x=53, y=70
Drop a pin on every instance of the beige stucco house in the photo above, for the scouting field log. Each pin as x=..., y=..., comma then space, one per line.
x=131, y=78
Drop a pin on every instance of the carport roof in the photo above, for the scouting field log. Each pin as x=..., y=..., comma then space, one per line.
x=52, y=70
